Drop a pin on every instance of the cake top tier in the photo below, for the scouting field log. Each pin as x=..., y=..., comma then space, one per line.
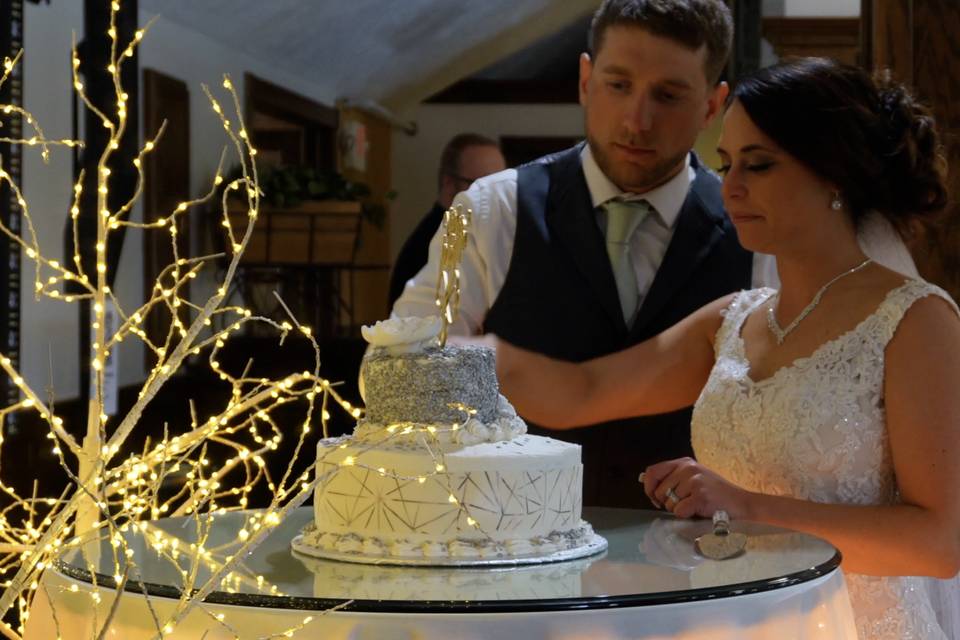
x=433, y=386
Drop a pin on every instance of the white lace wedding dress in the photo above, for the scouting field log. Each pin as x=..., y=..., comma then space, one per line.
x=816, y=430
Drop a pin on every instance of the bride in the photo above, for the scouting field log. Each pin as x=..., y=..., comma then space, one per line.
x=828, y=406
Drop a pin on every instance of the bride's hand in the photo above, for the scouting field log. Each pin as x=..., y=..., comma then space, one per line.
x=699, y=491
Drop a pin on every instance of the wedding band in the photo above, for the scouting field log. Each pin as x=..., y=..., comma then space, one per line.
x=672, y=495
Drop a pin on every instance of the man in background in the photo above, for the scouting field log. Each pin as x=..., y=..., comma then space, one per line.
x=466, y=157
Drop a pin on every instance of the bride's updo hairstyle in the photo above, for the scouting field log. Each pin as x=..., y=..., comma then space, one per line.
x=867, y=136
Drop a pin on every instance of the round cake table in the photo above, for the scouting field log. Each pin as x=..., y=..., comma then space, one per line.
x=650, y=583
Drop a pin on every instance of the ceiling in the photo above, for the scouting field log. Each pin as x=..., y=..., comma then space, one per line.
x=394, y=52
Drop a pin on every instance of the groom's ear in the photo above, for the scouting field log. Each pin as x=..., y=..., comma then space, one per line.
x=586, y=69
x=715, y=101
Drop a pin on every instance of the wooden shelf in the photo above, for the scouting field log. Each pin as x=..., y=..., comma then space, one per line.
x=316, y=232
x=837, y=38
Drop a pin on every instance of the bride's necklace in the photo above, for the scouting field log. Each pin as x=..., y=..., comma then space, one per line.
x=781, y=334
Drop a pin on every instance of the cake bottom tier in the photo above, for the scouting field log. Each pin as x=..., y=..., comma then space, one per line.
x=557, y=547
x=499, y=502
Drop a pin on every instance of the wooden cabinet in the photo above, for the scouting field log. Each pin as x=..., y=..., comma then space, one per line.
x=837, y=38
x=316, y=232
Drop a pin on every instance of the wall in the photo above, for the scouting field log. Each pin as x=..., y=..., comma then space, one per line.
x=415, y=158
x=370, y=285
x=821, y=8
x=49, y=348
x=192, y=57
x=49, y=338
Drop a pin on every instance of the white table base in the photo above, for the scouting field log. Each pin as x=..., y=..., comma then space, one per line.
x=819, y=609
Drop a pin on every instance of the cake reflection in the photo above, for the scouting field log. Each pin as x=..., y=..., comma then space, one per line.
x=346, y=580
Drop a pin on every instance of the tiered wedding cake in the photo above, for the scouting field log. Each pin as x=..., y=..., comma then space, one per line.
x=440, y=470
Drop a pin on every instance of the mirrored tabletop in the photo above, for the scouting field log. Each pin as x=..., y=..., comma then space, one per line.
x=651, y=560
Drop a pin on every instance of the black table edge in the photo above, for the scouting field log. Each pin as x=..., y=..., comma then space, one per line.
x=462, y=606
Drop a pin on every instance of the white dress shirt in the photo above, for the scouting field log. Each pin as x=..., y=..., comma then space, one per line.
x=486, y=259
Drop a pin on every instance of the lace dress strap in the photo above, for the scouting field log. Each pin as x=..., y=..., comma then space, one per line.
x=944, y=594
x=899, y=300
x=742, y=305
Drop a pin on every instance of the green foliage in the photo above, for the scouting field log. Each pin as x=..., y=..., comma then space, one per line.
x=287, y=187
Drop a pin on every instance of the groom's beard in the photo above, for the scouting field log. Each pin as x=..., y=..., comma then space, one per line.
x=633, y=177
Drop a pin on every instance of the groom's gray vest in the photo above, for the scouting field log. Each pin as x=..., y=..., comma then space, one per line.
x=560, y=298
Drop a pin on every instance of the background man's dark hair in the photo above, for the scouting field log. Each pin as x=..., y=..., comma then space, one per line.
x=689, y=22
x=450, y=158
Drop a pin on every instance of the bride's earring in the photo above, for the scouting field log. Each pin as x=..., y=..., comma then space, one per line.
x=836, y=204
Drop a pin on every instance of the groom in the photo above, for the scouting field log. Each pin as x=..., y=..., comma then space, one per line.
x=596, y=248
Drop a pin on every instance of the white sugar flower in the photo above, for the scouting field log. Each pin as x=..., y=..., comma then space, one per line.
x=410, y=334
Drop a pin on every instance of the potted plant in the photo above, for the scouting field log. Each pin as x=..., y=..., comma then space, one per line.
x=306, y=216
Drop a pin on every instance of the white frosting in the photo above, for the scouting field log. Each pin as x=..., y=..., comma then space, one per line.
x=523, y=454
x=373, y=547
x=507, y=426
x=403, y=335
x=433, y=549
x=458, y=547
x=349, y=544
x=519, y=547
x=461, y=549
x=515, y=497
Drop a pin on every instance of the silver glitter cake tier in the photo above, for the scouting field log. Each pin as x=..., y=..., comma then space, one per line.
x=419, y=387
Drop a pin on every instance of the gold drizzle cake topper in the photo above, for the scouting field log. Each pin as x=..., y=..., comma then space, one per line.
x=456, y=221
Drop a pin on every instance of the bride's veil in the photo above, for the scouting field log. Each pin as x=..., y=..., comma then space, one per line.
x=945, y=598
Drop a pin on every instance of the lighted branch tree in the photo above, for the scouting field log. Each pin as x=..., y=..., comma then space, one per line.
x=106, y=494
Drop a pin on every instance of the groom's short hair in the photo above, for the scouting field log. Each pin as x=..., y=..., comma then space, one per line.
x=692, y=23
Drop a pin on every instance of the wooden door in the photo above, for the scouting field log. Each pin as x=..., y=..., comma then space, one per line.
x=916, y=40
x=166, y=184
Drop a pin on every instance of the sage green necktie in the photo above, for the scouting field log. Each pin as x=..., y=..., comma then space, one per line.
x=623, y=218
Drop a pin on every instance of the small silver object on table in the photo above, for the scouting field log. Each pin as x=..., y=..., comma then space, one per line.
x=721, y=543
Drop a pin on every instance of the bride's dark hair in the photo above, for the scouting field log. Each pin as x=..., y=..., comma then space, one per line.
x=867, y=135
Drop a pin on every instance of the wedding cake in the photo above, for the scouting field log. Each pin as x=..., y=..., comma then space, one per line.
x=440, y=470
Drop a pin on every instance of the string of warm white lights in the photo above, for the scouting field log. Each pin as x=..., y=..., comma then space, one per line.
x=218, y=459
x=109, y=495
x=39, y=138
